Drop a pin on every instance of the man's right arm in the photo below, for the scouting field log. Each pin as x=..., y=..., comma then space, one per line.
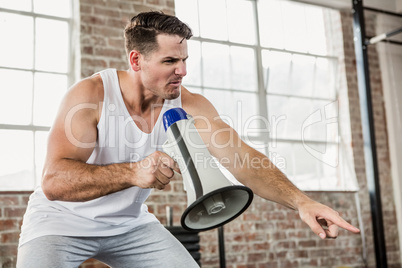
x=67, y=176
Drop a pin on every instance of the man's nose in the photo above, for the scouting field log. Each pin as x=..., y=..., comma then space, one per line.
x=181, y=69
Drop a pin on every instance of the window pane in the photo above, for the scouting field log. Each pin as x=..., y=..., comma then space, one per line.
x=270, y=24
x=216, y=65
x=221, y=101
x=52, y=55
x=282, y=155
x=316, y=30
x=308, y=169
x=296, y=118
x=59, y=8
x=302, y=76
x=213, y=23
x=23, y=5
x=229, y=67
x=322, y=123
x=305, y=165
x=277, y=68
x=294, y=28
x=315, y=170
x=15, y=97
x=196, y=90
x=187, y=11
x=40, y=153
x=193, y=62
x=305, y=32
x=16, y=46
x=243, y=66
x=245, y=107
x=49, y=90
x=16, y=160
x=241, y=21
x=299, y=75
x=324, y=84
x=238, y=109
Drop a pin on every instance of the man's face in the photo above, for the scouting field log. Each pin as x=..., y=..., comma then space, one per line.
x=162, y=71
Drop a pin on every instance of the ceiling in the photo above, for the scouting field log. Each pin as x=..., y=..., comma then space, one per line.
x=388, y=5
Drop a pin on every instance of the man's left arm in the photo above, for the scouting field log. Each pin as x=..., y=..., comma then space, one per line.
x=256, y=171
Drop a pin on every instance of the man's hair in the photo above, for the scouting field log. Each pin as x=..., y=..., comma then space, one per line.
x=141, y=32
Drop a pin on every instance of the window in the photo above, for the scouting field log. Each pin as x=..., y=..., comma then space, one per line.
x=272, y=71
x=34, y=73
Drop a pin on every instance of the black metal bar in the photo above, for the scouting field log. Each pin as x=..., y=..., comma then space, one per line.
x=221, y=239
x=367, y=118
x=383, y=11
x=394, y=32
x=383, y=36
x=392, y=42
x=386, y=41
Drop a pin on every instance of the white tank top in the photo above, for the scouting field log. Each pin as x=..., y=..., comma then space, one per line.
x=119, y=141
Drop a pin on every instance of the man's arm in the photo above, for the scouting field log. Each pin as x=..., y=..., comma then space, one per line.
x=262, y=176
x=67, y=176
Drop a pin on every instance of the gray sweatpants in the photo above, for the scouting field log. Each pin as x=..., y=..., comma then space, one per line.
x=150, y=245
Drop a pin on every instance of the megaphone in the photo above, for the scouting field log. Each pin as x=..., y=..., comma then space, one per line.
x=212, y=199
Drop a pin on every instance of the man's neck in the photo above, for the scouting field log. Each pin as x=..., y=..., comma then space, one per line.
x=139, y=101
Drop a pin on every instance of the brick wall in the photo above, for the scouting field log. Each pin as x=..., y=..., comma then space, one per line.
x=102, y=24
x=12, y=208
x=388, y=205
x=267, y=234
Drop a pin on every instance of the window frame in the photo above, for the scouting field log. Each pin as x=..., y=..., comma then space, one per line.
x=262, y=91
x=70, y=74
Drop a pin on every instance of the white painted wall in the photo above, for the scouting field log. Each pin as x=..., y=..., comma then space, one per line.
x=391, y=69
x=398, y=5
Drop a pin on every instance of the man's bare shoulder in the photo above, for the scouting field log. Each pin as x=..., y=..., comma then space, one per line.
x=195, y=104
x=88, y=90
x=86, y=96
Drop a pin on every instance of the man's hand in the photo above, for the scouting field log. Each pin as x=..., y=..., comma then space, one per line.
x=155, y=171
x=324, y=221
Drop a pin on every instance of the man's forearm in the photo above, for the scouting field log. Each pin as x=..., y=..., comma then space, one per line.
x=272, y=184
x=268, y=181
x=73, y=180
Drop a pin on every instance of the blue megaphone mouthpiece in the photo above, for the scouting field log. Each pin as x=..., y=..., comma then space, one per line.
x=172, y=116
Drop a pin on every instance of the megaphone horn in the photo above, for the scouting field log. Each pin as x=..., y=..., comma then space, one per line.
x=212, y=199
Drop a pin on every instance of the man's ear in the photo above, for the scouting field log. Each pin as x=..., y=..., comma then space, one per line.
x=134, y=58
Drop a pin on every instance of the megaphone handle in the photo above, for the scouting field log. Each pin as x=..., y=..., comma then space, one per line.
x=169, y=149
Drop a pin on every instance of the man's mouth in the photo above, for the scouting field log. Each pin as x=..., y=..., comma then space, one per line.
x=175, y=83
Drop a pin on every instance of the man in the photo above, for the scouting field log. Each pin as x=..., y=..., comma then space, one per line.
x=104, y=156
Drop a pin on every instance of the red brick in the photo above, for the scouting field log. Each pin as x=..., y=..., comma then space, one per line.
x=9, y=238
x=7, y=200
x=8, y=224
x=14, y=212
x=307, y=244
